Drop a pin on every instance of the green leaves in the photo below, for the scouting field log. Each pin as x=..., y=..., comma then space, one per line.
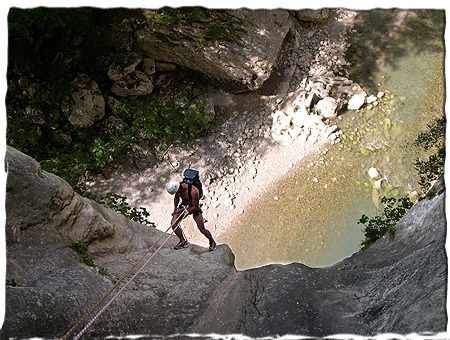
x=119, y=203
x=433, y=141
x=179, y=119
x=81, y=249
x=385, y=222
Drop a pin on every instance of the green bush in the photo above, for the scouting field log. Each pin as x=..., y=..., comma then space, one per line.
x=376, y=227
x=433, y=141
x=89, y=152
x=120, y=204
x=81, y=249
x=179, y=119
x=47, y=48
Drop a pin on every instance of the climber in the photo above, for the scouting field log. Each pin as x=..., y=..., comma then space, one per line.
x=190, y=201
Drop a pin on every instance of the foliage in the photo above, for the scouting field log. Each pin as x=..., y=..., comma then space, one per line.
x=432, y=140
x=385, y=222
x=213, y=34
x=178, y=119
x=89, y=152
x=120, y=204
x=47, y=48
x=81, y=249
x=50, y=42
x=217, y=26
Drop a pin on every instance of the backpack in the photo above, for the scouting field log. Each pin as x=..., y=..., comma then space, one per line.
x=192, y=177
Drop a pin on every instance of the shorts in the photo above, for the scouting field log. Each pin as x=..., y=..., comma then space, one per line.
x=194, y=213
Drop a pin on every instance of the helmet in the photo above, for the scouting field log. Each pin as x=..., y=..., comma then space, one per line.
x=172, y=187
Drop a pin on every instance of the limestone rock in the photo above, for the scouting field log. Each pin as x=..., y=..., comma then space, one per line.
x=356, y=101
x=123, y=64
x=136, y=83
x=315, y=16
x=374, y=173
x=86, y=104
x=236, y=48
x=327, y=107
x=395, y=286
x=45, y=216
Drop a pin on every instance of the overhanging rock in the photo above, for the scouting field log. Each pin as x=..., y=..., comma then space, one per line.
x=236, y=48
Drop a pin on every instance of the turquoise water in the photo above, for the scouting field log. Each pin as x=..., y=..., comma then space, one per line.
x=313, y=219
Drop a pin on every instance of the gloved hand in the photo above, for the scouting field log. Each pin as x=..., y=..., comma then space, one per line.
x=189, y=209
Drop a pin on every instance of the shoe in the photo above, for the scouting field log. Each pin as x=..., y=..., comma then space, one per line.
x=181, y=245
x=212, y=246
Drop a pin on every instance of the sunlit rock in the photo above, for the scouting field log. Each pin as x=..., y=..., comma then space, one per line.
x=327, y=107
x=356, y=101
x=374, y=173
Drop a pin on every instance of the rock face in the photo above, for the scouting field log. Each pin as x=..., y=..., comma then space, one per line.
x=55, y=288
x=237, y=48
x=395, y=286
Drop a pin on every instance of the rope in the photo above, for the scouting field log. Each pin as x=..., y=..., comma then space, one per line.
x=66, y=336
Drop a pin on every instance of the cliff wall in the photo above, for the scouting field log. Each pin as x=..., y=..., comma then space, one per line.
x=395, y=286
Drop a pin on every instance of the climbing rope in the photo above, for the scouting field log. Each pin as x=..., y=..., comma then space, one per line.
x=66, y=336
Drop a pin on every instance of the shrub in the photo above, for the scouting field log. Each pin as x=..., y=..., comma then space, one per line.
x=432, y=140
x=120, y=204
x=179, y=119
x=385, y=222
x=81, y=249
x=90, y=152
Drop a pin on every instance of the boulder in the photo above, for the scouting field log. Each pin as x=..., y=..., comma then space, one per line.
x=235, y=48
x=351, y=89
x=374, y=174
x=314, y=16
x=136, y=83
x=327, y=107
x=356, y=101
x=281, y=122
x=123, y=64
x=86, y=104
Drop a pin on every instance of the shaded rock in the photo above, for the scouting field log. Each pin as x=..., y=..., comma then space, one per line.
x=112, y=125
x=136, y=83
x=113, y=104
x=141, y=155
x=123, y=64
x=393, y=287
x=149, y=66
x=86, y=104
x=61, y=137
x=123, y=36
x=315, y=16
